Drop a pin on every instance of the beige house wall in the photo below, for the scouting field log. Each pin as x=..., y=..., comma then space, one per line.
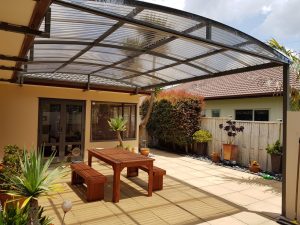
x=19, y=112
x=228, y=106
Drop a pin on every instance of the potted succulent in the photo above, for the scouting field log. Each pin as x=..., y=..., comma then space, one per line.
x=201, y=137
x=254, y=167
x=275, y=150
x=118, y=125
x=230, y=150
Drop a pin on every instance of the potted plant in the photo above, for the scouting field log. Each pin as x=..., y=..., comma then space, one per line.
x=201, y=137
x=230, y=150
x=254, y=167
x=36, y=179
x=118, y=125
x=215, y=157
x=275, y=150
x=144, y=150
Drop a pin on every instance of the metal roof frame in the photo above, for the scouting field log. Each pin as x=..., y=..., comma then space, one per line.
x=87, y=55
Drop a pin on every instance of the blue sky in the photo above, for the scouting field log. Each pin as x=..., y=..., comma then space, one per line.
x=263, y=19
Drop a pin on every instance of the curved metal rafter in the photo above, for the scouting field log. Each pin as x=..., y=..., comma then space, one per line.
x=194, y=47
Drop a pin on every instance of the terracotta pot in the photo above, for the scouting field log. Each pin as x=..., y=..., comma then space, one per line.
x=5, y=197
x=201, y=148
x=276, y=163
x=145, y=151
x=254, y=168
x=215, y=157
x=230, y=152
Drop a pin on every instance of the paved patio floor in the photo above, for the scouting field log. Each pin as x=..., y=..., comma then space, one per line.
x=195, y=192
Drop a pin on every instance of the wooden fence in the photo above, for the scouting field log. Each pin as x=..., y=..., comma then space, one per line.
x=252, y=142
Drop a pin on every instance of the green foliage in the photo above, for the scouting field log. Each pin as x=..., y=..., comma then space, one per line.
x=295, y=67
x=11, y=160
x=13, y=214
x=36, y=179
x=175, y=117
x=202, y=136
x=274, y=149
x=117, y=124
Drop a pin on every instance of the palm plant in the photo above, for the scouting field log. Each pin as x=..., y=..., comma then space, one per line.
x=118, y=125
x=36, y=180
x=295, y=66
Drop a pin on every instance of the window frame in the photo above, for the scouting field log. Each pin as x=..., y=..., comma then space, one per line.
x=253, y=114
x=122, y=104
x=215, y=110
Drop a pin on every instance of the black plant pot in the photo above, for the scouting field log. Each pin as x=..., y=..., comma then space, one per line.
x=201, y=148
x=276, y=163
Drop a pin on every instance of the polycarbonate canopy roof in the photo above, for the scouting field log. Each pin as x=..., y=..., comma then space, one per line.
x=132, y=46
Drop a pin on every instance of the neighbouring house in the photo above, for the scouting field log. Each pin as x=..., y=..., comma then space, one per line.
x=253, y=96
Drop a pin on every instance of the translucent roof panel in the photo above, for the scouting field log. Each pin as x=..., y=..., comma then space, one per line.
x=138, y=45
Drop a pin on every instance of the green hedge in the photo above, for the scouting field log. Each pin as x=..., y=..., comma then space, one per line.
x=175, y=118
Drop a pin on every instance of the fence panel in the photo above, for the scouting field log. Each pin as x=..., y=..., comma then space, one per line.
x=252, y=142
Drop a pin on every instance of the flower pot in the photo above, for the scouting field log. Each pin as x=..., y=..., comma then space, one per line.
x=230, y=152
x=276, y=163
x=215, y=157
x=1, y=167
x=200, y=148
x=254, y=168
x=5, y=198
x=144, y=151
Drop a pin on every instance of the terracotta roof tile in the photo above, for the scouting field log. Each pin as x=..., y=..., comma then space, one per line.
x=256, y=83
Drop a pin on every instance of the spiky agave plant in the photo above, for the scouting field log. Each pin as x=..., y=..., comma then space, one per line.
x=118, y=125
x=36, y=179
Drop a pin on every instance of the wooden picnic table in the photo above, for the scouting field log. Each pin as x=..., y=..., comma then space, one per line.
x=119, y=159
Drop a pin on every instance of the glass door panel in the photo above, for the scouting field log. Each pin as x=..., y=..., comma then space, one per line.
x=50, y=128
x=73, y=135
x=61, y=129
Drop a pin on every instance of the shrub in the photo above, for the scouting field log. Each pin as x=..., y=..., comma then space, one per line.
x=274, y=149
x=202, y=136
x=175, y=117
x=11, y=160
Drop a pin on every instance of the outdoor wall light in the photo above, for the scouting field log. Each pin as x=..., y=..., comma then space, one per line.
x=66, y=207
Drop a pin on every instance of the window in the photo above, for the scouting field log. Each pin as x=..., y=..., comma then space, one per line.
x=244, y=114
x=261, y=115
x=102, y=112
x=215, y=112
x=252, y=114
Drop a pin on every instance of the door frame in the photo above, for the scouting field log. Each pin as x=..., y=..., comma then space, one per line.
x=62, y=101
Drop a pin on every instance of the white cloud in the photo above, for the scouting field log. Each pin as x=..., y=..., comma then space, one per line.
x=266, y=9
x=284, y=20
x=170, y=3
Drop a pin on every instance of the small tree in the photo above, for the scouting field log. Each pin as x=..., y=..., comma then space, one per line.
x=118, y=125
x=295, y=67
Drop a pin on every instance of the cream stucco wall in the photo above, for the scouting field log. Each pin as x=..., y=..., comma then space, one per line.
x=19, y=112
x=228, y=106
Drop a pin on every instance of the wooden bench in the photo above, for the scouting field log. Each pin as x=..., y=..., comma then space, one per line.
x=158, y=175
x=82, y=173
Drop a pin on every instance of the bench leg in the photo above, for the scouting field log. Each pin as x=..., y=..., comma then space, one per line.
x=95, y=191
x=132, y=171
x=157, y=182
x=76, y=179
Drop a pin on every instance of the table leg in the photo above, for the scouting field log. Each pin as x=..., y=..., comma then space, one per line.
x=90, y=160
x=150, y=179
x=116, y=183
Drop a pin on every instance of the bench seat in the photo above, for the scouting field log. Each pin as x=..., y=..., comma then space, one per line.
x=158, y=174
x=82, y=173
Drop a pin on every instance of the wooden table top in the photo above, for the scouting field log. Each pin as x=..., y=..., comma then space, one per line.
x=117, y=155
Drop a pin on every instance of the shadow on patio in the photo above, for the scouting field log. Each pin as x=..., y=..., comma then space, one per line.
x=178, y=203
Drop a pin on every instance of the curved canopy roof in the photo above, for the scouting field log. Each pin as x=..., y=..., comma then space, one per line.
x=133, y=46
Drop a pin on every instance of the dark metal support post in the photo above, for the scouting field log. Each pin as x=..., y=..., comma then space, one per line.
x=286, y=107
